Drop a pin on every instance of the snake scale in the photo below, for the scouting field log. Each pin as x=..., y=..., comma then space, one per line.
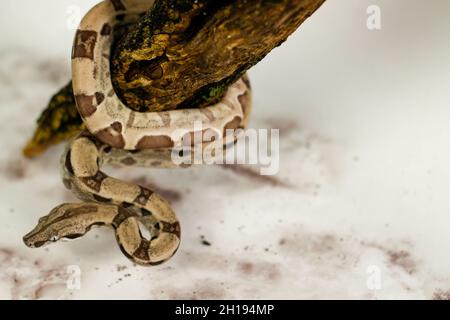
x=118, y=135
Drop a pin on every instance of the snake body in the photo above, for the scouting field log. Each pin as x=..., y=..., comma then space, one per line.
x=116, y=134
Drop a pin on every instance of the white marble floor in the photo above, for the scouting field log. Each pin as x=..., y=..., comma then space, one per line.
x=359, y=210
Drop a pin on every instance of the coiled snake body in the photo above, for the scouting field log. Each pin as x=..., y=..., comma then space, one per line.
x=116, y=134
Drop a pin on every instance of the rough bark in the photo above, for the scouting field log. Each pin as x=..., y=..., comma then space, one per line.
x=182, y=54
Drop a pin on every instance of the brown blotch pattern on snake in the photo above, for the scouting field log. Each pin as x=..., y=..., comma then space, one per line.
x=152, y=142
x=128, y=161
x=142, y=251
x=99, y=97
x=85, y=104
x=173, y=228
x=121, y=216
x=84, y=45
x=143, y=196
x=94, y=182
x=111, y=137
x=232, y=125
x=117, y=126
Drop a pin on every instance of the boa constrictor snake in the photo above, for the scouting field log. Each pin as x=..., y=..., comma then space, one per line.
x=118, y=135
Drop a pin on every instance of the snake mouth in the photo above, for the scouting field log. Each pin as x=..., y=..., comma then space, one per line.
x=33, y=244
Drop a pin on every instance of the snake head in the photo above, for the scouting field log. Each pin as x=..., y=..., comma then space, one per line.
x=64, y=221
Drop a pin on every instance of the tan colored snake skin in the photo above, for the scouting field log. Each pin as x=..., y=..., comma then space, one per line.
x=119, y=135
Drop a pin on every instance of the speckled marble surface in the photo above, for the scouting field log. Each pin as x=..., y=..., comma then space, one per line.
x=362, y=192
